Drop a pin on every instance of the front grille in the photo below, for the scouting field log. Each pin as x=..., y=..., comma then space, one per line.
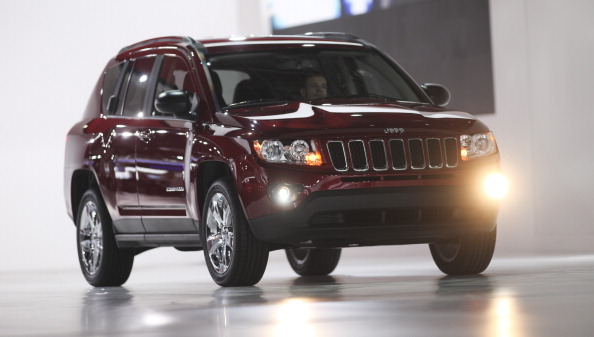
x=395, y=154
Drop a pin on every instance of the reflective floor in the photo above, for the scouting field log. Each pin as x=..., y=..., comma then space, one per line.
x=367, y=296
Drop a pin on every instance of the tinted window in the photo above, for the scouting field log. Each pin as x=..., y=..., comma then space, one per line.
x=229, y=80
x=137, y=87
x=174, y=75
x=110, y=82
x=286, y=74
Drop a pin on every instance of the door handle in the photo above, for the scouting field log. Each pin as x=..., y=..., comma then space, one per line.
x=144, y=136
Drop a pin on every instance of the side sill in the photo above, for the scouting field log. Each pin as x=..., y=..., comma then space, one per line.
x=158, y=240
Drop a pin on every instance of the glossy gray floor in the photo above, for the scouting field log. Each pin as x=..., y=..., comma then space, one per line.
x=367, y=296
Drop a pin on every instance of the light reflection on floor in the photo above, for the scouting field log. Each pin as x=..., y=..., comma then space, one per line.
x=366, y=297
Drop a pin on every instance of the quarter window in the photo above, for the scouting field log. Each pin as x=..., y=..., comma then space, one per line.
x=110, y=84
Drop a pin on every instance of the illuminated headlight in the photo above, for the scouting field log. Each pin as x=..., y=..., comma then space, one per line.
x=478, y=145
x=298, y=152
x=496, y=186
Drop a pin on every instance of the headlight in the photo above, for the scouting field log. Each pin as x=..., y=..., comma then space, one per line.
x=478, y=145
x=298, y=152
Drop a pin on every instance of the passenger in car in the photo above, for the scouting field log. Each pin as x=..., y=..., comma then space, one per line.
x=314, y=86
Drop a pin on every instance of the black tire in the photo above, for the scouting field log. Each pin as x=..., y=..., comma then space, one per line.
x=234, y=257
x=313, y=261
x=102, y=263
x=465, y=256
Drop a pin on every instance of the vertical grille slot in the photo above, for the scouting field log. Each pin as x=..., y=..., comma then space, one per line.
x=417, y=157
x=337, y=155
x=378, y=155
x=358, y=155
x=398, y=154
x=434, y=153
x=451, y=152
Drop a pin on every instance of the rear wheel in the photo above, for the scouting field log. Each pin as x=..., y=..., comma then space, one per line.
x=313, y=261
x=466, y=255
x=234, y=257
x=101, y=261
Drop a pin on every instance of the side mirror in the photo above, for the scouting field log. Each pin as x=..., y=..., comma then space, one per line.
x=173, y=102
x=439, y=94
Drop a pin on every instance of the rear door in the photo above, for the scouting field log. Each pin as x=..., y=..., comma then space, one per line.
x=125, y=112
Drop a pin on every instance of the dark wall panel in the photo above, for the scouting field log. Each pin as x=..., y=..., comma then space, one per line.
x=439, y=41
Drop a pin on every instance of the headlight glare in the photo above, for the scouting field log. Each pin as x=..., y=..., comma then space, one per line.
x=496, y=186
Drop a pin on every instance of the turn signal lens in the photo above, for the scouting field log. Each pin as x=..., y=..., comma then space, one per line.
x=313, y=159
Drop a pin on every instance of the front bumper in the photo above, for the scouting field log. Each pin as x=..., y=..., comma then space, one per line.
x=379, y=216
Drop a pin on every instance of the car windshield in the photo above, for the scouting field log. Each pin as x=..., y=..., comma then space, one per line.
x=307, y=74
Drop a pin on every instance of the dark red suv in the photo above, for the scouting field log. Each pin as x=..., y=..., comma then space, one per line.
x=305, y=143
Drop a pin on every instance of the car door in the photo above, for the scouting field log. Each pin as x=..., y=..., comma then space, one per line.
x=161, y=158
x=124, y=112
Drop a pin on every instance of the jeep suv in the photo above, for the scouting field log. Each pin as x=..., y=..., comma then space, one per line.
x=307, y=143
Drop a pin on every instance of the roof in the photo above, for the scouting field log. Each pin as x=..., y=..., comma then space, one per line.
x=325, y=38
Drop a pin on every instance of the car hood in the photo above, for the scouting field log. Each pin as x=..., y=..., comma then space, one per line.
x=303, y=119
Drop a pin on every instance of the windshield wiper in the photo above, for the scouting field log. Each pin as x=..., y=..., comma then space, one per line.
x=256, y=102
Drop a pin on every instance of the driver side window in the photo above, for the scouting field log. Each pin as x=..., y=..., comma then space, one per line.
x=175, y=75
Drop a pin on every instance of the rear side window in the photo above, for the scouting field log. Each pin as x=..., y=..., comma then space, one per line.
x=137, y=87
x=110, y=84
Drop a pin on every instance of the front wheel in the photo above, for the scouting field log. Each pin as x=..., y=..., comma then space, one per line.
x=312, y=261
x=101, y=261
x=466, y=255
x=234, y=257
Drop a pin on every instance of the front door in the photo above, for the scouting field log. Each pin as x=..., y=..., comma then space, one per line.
x=161, y=157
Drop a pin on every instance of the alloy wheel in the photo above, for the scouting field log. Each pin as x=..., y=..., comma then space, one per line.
x=219, y=235
x=91, y=238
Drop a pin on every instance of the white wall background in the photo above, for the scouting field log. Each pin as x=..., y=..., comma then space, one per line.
x=543, y=52
x=53, y=52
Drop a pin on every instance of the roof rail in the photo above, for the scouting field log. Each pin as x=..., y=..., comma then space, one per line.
x=334, y=35
x=186, y=39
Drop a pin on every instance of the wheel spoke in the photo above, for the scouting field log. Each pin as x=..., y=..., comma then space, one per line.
x=216, y=213
x=85, y=246
x=227, y=216
x=213, y=243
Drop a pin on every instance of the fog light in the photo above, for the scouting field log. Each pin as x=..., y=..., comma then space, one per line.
x=496, y=186
x=283, y=194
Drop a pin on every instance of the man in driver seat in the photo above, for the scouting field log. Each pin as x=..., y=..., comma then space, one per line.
x=314, y=86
